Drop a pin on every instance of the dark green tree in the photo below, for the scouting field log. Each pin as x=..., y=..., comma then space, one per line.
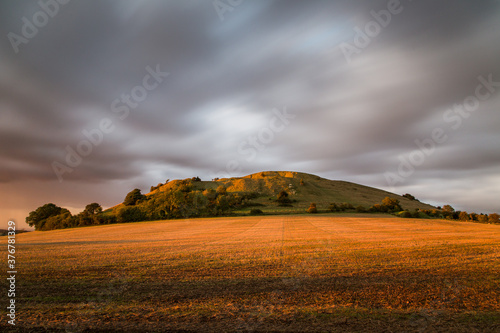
x=133, y=197
x=93, y=209
x=38, y=217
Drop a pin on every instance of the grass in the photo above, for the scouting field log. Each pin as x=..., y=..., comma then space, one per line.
x=281, y=273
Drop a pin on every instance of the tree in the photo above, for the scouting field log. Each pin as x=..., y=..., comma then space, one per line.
x=221, y=205
x=463, y=216
x=93, y=209
x=333, y=207
x=38, y=217
x=392, y=204
x=409, y=196
x=130, y=214
x=346, y=206
x=221, y=190
x=90, y=215
x=210, y=194
x=379, y=208
x=60, y=221
x=312, y=209
x=494, y=218
x=283, y=198
x=406, y=214
x=448, y=209
x=482, y=218
x=256, y=212
x=133, y=197
x=360, y=209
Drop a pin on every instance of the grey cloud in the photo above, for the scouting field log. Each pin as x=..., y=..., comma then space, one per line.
x=352, y=120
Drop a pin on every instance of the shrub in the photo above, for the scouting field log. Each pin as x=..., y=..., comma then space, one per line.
x=378, y=208
x=405, y=214
x=392, y=204
x=416, y=214
x=256, y=212
x=333, y=207
x=130, y=214
x=409, y=196
x=312, y=209
x=283, y=199
x=361, y=209
x=346, y=206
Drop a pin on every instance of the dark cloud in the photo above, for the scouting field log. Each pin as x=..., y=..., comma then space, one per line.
x=352, y=121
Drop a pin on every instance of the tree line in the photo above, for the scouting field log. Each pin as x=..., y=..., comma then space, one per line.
x=183, y=200
x=180, y=201
x=393, y=206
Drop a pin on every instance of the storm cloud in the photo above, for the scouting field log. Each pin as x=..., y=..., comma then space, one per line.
x=353, y=116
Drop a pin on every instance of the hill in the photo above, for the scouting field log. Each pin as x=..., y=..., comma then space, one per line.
x=303, y=189
x=268, y=192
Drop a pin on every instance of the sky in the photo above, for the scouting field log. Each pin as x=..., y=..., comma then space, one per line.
x=100, y=97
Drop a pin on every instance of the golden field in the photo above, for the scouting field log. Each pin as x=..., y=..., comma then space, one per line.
x=271, y=273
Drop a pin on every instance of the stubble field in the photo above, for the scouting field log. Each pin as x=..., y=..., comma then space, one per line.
x=271, y=273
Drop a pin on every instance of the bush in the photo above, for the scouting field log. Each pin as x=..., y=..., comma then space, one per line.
x=361, y=209
x=409, y=196
x=130, y=214
x=392, y=204
x=406, y=214
x=333, y=207
x=283, y=199
x=346, y=206
x=256, y=212
x=378, y=208
x=312, y=209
